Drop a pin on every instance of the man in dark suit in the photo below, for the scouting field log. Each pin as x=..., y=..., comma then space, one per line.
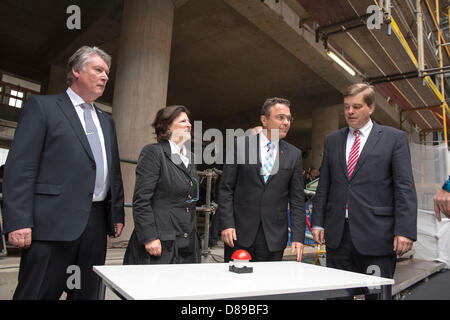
x=255, y=190
x=63, y=188
x=365, y=207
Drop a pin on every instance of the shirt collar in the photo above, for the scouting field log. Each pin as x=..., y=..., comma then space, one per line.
x=263, y=140
x=75, y=98
x=174, y=148
x=365, y=130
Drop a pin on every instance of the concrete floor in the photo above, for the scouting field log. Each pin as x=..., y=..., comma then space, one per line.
x=414, y=279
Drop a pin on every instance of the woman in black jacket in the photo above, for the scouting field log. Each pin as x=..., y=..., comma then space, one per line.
x=165, y=194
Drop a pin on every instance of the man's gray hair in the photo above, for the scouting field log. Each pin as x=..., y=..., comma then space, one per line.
x=78, y=60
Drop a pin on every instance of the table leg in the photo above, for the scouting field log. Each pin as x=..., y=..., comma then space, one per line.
x=101, y=290
x=386, y=293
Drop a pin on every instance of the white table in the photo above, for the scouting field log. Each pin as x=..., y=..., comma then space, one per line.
x=214, y=281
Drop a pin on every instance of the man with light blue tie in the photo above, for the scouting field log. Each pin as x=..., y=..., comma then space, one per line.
x=365, y=207
x=255, y=189
x=63, y=188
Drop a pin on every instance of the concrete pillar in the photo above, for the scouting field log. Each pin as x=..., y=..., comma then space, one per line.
x=141, y=82
x=325, y=120
x=56, y=80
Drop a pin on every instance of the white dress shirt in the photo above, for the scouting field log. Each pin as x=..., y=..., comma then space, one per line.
x=77, y=101
x=174, y=148
x=364, y=134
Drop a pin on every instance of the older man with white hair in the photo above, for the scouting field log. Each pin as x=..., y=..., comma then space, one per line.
x=62, y=187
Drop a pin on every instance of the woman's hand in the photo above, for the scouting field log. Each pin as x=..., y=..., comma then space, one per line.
x=154, y=247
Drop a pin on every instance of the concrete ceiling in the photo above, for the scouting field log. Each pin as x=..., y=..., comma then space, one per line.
x=223, y=66
x=376, y=54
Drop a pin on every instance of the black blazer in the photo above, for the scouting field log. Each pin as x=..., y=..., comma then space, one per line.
x=245, y=200
x=163, y=186
x=381, y=194
x=50, y=171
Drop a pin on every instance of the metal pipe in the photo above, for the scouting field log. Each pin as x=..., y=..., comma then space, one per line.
x=207, y=211
x=435, y=72
x=388, y=10
x=393, y=77
x=436, y=69
x=419, y=37
x=360, y=19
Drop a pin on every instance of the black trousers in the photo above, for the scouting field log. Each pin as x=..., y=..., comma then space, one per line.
x=346, y=257
x=258, y=250
x=48, y=268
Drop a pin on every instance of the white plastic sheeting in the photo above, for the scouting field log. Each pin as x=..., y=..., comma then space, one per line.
x=430, y=168
x=433, y=238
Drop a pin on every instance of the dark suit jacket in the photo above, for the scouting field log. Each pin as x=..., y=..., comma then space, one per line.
x=245, y=200
x=160, y=209
x=381, y=194
x=50, y=171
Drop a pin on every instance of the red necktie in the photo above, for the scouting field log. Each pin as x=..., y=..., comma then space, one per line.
x=354, y=154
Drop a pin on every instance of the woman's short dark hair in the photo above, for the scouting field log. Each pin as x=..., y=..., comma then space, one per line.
x=164, y=118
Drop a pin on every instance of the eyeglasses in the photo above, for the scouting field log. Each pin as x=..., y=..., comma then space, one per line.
x=189, y=199
x=281, y=117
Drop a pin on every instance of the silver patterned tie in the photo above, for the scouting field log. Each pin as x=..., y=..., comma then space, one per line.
x=96, y=147
x=268, y=161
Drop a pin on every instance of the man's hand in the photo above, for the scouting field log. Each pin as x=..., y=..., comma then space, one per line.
x=154, y=247
x=229, y=236
x=118, y=229
x=20, y=238
x=402, y=245
x=299, y=247
x=318, y=235
x=442, y=203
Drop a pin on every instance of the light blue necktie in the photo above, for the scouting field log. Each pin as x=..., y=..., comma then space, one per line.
x=268, y=161
x=96, y=147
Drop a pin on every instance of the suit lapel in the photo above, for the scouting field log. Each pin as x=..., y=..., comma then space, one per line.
x=372, y=140
x=258, y=167
x=280, y=157
x=175, y=158
x=104, y=123
x=342, y=149
x=66, y=106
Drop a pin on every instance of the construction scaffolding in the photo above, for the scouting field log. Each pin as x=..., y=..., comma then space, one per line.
x=410, y=69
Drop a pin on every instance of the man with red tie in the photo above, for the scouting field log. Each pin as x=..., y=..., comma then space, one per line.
x=365, y=208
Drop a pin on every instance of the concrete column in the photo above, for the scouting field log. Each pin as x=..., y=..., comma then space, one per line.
x=141, y=82
x=56, y=80
x=325, y=120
